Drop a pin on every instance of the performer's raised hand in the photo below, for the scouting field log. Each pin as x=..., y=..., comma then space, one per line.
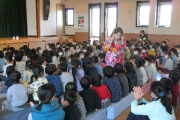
x=112, y=38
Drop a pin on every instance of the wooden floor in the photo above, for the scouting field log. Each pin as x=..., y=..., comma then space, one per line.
x=124, y=115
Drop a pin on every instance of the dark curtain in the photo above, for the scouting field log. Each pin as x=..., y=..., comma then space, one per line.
x=13, y=18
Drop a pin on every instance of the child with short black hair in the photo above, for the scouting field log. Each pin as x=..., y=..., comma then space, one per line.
x=90, y=70
x=36, y=81
x=28, y=72
x=98, y=66
x=30, y=56
x=20, y=65
x=119, y=69
x=8, y=60
x=112, y=83
x=102, y=60
x=16, y=94
x=8, y=83
x=131, y=75
x=65, y=77
x=54, y=79
x=168, y=83
x=144, y=50
x=41, y=61
x=68, y=100
x=90, y=97
x=79, y=100
x=49, y=108
x=102, y=90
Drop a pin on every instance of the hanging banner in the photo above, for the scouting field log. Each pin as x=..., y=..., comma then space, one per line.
x=80, y=20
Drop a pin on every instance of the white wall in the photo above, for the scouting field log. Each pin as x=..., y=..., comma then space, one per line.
x=126, y=16
x=31, y=17
x=48, y=27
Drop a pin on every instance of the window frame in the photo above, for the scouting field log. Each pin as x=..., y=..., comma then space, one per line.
x=106, y=4
x=66, y=19
x=161, y=2
x=137, y=12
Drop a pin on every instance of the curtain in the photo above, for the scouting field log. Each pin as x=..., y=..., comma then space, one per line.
x=13, y=18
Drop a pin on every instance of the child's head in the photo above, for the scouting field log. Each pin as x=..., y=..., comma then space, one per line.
x=173, y=51
x=69, y=98
x=167, y=41
x=1, y=54
x=108, y=71
x=40, y=61
x=96, y=80
x=147, y=61
x=51, y=53
x=77, y=55
x=63, y=59
x=50, y=69
x=48, y=59
x=33, y=51
x=71, y=86
x=67, y=51
x=81, y=55
x=144, y=50
x=128, y=66
x=85, y=82
x=95, y=58
x=46, y=94
x=136, y=51
x=87, y=54
x=29, y=64
x=168, y=83
x=38, y=71
x=138, y=63
x=39, y=50
x=30, y=56
x=102, y=57
x=18, y=57
x=8, y=58
x=167, y=54
x=132, y=46
x=60, y=52
x=153, y=49
x=153, y=59
x=9, y=70
x=89, y=62
x=174, y=76
x=118, y=68
x=15, y=77
x=63, y=67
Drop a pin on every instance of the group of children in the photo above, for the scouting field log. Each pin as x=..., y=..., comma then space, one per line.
x=75, y=76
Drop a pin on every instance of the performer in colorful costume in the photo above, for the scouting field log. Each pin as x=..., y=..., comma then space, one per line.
x=114, y=47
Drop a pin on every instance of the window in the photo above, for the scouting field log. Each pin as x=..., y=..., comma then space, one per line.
x=94, y=21
x=111, y=16
x=163, y=18
x=69, y=16
x=142, y=15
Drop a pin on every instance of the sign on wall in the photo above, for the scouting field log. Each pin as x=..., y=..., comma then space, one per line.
x=80, y=20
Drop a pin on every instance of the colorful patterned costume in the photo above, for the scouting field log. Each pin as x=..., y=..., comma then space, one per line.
x=115, y=52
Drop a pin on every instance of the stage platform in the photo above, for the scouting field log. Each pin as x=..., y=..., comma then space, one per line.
x=33, y=42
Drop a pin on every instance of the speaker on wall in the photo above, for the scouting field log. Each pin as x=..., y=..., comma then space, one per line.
x=46, y=8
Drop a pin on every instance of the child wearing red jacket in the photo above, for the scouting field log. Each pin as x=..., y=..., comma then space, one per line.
x=175, y=76
x=102, y=90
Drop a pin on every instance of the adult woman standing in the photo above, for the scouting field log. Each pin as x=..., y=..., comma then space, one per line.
x=115, y=46
x=142, y=35
x=159, y=109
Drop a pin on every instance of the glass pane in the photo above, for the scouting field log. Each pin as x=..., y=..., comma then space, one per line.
x=144, y=15
x=112, y=15
x=165, y=15
x=70, y=17
x=95, y=21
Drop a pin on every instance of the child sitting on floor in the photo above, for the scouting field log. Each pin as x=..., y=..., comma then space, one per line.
x=48, y=108
x=16, y=94
x=102, y=90
x=112, y=83
x=90, y=97
x=79, y=100
x=68, y=100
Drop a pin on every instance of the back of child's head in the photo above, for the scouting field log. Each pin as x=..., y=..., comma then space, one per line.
x=70, y=96
x=48, y=59
x=152, y=58
x=174, y=76
x=9, y=70
x=85, y=82
x=33, y=51
x=40, y=60
x=96, y=80
x=30, y=55
x=119, y=68
x=87, y=54
x=75, y=63
x=51, y=53
x=168, y=83
x=29, y=64
x=38, y=71
x=50, y=69
x=102, y=56
x=108, y=71
x=46, y=93
x=138, y=63
x=1, y=54
x=63, y=59
x=147, y=59
x=71, y=86
x=45, y=53
x=95, y=59
x=128, y=66
x=18, y=57
x=63, y=67
x=89, y=62
x=15, y=77
x=77, y=55
x=8, y=57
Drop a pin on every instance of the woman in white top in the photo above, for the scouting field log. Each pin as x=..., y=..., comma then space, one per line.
x=159, y=109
